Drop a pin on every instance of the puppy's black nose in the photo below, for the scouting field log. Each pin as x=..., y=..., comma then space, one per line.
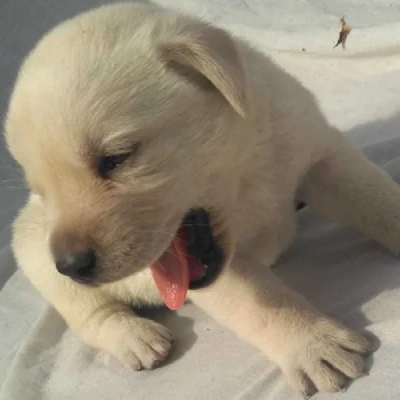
x=79, y=266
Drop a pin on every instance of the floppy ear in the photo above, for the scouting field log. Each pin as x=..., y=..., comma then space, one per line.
x=212, y=53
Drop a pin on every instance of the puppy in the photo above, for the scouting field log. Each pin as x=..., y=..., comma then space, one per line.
x=164, y=159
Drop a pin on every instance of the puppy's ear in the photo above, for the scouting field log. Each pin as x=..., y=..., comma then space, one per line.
x=212, y=53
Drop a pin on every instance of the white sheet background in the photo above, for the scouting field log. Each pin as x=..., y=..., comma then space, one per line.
x=344, y=273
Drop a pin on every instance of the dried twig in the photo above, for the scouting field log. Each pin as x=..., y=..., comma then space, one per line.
x=343, y=34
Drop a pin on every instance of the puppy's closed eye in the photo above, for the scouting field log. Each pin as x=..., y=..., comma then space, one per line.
x=107, y=164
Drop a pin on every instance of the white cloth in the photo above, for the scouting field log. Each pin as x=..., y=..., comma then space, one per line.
x=344, y=273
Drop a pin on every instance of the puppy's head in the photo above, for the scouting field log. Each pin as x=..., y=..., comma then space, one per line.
x=125, y=120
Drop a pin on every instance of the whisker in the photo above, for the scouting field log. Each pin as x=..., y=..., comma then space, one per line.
x=158, y=263
x=190, y=225
x=12, y=180
x=11, y=188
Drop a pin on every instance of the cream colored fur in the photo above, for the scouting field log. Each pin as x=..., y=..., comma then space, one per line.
x=221, y=127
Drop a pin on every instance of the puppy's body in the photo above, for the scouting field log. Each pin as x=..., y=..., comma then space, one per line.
x=222, y=128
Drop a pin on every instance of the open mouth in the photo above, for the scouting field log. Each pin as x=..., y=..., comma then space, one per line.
x=193, y=260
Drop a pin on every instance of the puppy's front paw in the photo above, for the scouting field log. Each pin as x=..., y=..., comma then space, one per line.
x=325, y=358
x=138, y=343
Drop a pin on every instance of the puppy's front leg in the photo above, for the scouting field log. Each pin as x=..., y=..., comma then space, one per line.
x=93, y=313
x=311, y=349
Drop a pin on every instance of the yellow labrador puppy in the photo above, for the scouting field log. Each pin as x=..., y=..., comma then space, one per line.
x=164, y=159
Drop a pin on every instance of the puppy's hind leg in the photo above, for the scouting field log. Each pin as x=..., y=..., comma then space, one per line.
x=346, y=187
x=99, y=319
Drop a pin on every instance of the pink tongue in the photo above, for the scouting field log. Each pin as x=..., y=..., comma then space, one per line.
x=171, y=274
